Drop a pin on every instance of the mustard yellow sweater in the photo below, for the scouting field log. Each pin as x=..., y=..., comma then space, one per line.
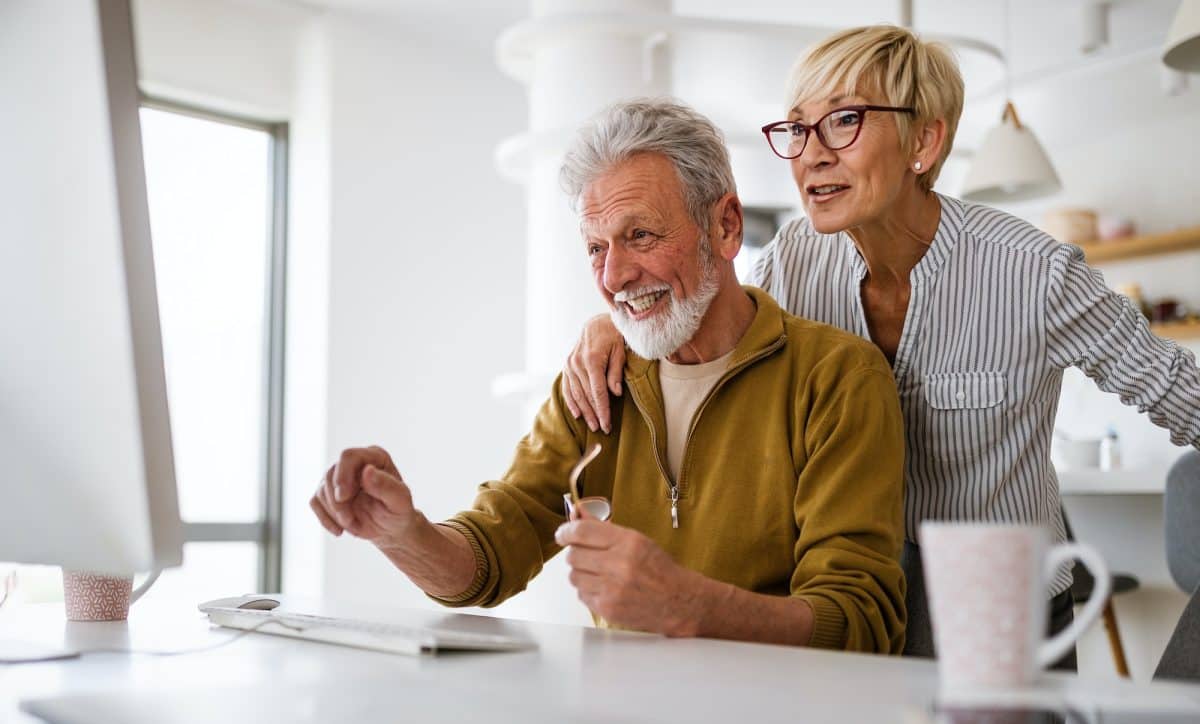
x=791, y=483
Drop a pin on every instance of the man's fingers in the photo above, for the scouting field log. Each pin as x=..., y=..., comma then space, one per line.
x=341, y=513
x=387, y=489
x=348, y=471
x=586, y=560
x=322, y=515
x=586, y=533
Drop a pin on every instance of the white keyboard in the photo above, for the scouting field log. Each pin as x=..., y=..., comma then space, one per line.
x=387, y=637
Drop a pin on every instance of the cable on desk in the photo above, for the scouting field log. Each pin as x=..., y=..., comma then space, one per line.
x=180, y=652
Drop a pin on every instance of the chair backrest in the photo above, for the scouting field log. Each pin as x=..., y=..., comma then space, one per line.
x=1181, y=660
x=1181, y=520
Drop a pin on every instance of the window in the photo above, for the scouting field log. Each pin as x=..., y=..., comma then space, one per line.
x=216, y=187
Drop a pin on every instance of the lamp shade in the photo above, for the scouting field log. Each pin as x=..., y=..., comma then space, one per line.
x=1182, y=50
x=1010, y=165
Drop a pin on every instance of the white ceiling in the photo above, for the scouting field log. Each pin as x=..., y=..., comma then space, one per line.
x=1044, y=35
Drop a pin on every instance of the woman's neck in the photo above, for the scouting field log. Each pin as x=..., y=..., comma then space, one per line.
x=893, y=243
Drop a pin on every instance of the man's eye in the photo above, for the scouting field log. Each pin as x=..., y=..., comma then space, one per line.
x=641, y=234
x=594, y=249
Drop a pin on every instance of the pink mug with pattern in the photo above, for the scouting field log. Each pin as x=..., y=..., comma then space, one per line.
x=988, y=589
x=97, y=597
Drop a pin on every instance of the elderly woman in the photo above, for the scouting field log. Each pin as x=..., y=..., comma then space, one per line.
x=978, y=311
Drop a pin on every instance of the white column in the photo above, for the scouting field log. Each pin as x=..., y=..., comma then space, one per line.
x=576, y=56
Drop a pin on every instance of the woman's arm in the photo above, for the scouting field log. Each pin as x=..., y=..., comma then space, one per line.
x=1091, y=327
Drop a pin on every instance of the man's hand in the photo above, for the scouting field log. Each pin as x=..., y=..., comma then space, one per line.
x=593, y=368
x=363, y=494
x=626, y=578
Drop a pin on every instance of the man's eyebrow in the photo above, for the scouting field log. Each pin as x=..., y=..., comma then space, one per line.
x=623, y=223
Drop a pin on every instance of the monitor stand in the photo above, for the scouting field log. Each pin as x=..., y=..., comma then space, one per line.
x=23, y=652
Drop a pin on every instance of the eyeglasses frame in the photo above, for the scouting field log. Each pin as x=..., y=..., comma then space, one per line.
x=816, y=127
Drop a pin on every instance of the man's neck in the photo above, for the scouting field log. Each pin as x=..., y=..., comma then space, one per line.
x=724, y=324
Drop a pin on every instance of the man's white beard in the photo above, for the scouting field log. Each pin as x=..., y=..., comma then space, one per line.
x=661, y=334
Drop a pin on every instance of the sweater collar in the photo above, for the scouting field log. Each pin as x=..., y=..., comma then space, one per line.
x=764, y=333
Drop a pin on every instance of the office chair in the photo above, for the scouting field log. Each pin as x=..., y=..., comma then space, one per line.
x=1181, y=517
x=1081, y=590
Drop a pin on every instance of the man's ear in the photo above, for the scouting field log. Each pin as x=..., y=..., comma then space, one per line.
x=725, y=234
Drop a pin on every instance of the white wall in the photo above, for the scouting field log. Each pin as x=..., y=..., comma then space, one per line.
x=231, y=56
x=427, y=272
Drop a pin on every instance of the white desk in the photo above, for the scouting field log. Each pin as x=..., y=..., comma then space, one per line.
x=577, y=674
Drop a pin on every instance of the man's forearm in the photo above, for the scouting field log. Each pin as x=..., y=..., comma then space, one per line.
x=724, y=611
x=437, y=558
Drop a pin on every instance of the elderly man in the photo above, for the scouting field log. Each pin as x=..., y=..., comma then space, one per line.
x=754, y=472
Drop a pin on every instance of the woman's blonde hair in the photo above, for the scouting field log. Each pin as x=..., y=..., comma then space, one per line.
x=894, y=63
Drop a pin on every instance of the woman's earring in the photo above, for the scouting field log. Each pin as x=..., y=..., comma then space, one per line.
x=917, y=166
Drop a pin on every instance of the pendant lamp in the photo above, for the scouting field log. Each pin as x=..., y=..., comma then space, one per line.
x=1182, y=50
x=1010, y=165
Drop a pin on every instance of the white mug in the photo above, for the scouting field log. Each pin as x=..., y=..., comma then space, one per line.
x=99, y=597
x=988, y=599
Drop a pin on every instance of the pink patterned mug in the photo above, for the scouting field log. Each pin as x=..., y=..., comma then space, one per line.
x=988, y=599
x=96, y=597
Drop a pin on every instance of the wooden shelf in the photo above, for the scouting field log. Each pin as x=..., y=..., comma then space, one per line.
x=1177, y=330
x=1135, y=246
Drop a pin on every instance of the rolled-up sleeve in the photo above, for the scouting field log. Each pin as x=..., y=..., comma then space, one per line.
x=849, y=511
x=511, y=525
x=1091, y=327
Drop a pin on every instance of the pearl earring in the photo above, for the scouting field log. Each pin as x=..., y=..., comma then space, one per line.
x=917, y=166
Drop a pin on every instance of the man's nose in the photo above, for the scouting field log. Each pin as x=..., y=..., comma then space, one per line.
x=619, y=269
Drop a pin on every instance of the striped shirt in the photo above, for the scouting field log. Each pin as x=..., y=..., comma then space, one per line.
x=997, y=311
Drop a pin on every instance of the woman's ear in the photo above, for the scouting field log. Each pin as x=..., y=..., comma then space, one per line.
x=930, y=139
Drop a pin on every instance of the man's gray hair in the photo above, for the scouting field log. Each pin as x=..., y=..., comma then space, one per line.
x=690, y=141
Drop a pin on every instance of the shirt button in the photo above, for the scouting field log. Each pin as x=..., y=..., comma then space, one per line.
x=961, y=396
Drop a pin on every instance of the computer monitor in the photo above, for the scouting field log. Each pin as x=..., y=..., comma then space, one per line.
x=88, y=480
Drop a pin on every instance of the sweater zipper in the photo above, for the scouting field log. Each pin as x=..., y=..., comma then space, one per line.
x=673, y=488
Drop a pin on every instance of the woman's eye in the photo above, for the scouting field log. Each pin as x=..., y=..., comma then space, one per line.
x=849, y=118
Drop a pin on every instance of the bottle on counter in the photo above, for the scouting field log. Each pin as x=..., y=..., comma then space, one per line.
x=1110, y=450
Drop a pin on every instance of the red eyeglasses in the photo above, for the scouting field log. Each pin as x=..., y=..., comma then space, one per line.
x=836, y=130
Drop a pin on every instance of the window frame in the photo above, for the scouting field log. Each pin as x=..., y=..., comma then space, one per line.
x=267, y=532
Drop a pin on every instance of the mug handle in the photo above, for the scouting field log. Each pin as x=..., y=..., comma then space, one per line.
x=1053, y=649
x=146, y=584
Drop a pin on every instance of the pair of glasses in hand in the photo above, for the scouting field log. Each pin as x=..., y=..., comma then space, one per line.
x=596, y=506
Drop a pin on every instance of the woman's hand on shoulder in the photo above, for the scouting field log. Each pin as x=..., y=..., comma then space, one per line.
x=593, y=369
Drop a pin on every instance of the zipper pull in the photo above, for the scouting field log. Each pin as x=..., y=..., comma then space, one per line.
x=674, y=506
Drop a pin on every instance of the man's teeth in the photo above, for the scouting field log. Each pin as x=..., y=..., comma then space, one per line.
x=644, y=302
x=828, y=189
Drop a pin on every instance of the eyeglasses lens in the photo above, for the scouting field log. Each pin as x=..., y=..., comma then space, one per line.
x=840, y=128
x=787, y=139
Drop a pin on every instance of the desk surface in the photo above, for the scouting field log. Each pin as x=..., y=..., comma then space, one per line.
x=577, y=674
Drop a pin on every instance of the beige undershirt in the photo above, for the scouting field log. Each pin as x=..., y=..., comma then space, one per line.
x=684, y=387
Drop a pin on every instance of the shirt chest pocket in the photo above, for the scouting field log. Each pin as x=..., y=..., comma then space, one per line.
x=964, y=413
